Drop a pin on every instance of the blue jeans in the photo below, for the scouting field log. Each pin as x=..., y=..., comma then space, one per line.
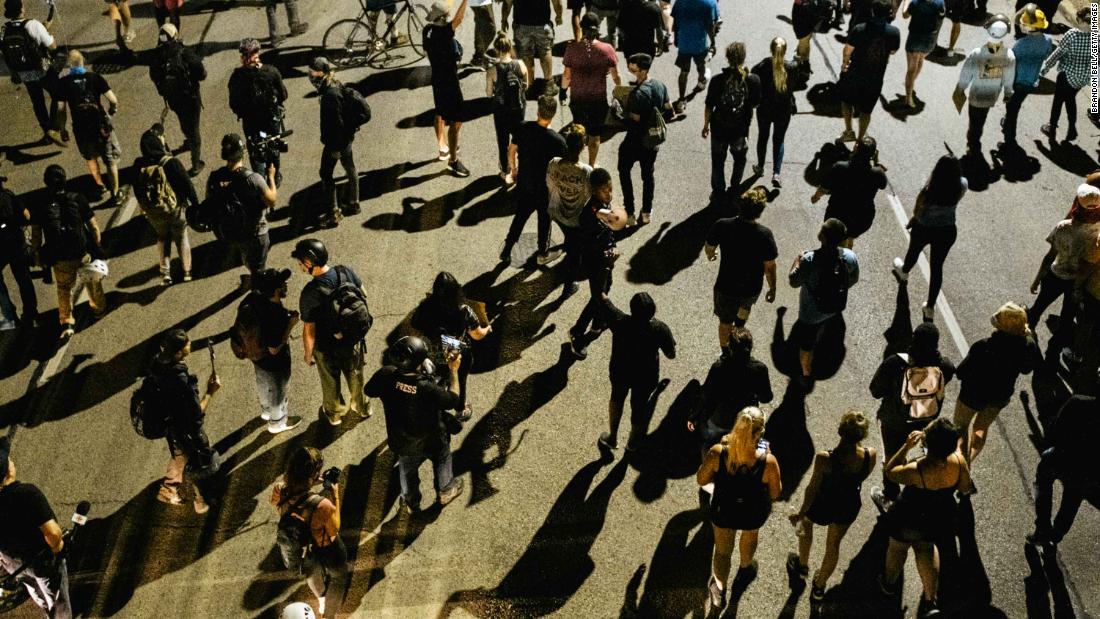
x=409, y=472
x=271, y=390
x=766, y=123
x=1012, y=110
x=719, y=148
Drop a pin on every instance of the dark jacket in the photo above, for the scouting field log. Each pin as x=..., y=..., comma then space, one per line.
x=152, y=151
x=886, y=386
x=988, y=373
x=196, y=73
x=775, y=104
x=179, y=390
x=734, y=382
x=335, y=134
x=254, y=92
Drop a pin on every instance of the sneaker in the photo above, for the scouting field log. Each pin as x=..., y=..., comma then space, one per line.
x=466, y=414
x=187, y=276
x=679, y=107
x=580, y=351
x=631, y=221
x=196, y=168
x=928, y=312
x=370, y=410
x=444, y=154
x=848, y=136
x=276, y=41
x=644, y=219
x=878, y=497
x=796, y=572
x=776, y=182
x=506, y=178
x=458, y=169
x=332, y=420
x=166, y=280
x=289, y=423
x=451, y=493
x=299, y=29
x=605, y=442
x=899, y=271
x=927, y=608
x=1042, y=539
x=716, y=598
x=569, y=290
x=1050, y=131
x=55, y=136
x=757, y=169
x=547, y=257
x=65, y=135
x=745, y=575
x=266, y=416
x=817, y=594
x=201, y=506
x=1071, y=135
x=405, y=508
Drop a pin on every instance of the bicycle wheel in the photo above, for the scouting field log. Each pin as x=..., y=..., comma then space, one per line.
x=348, y=42
x=417, y=17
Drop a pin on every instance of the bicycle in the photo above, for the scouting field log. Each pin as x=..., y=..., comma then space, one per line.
x=350, y=42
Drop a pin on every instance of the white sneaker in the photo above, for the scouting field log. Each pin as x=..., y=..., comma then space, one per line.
x=929, y=312
x=266, y=416
x=287, y=423
x=716, y=598
x=898, y=272
x=549, y=257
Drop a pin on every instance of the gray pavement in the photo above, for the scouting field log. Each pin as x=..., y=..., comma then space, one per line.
x=544, y=527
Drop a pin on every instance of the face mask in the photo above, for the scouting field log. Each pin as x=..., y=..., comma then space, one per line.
x=317, y=81
x=77, y=70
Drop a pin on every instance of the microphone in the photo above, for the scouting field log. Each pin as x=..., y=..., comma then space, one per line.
x=81, y=515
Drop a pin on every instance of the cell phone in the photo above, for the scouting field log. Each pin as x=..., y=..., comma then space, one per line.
x=451, y=343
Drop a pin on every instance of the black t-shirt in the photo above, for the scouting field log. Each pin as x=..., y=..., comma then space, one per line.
x=988, y=374
x=433, y=319
x=725, y=125
x=256, y=93
x=531, y=12
x=773, y=103
x=852, y=191
x=731, y=385
x=872, y=43
x=634, y=346
x=75, y=89
x=536, y=145
x=439, y=44
x=745, y=247
x=23, y=509
x=273, y=319
x=593, y=236
x=413, y=406
x=315, y=307
x=639, y=21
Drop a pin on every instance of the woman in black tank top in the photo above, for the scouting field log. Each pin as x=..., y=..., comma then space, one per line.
x=832, y=499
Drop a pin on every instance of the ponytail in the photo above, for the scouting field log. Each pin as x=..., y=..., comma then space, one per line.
x=779, y=68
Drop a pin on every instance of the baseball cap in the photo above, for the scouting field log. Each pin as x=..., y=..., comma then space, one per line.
x=232, y=147
x=438, y=12
x=267, y=281
x=321, y=64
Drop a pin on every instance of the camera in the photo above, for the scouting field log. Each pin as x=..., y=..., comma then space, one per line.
x=264, y=147
x=452, y=344
x=331, y=476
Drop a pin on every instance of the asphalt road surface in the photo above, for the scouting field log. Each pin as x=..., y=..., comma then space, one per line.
x=545, y=527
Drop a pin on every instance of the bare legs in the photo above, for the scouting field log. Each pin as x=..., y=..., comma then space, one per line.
x=928, y=564
x=914, y=63
x=97, y=174
x=120, y=15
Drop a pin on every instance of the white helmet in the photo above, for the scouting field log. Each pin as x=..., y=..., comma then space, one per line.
x=298, y=610
x=97, y=269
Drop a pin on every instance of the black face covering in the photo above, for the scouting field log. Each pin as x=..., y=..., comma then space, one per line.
x=318, y=82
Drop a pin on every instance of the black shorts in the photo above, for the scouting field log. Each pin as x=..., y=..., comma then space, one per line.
x=577, y=5
x=592, y=115
x=804, y=20
x=858, y=94
x=805, y=335
x=684, y=62
x=955, y=9
x=727, y=306
x=448, y=103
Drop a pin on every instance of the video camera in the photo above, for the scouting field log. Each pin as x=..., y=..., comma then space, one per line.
x=264, y=147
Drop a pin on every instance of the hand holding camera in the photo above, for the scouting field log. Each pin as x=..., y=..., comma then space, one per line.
x=330, y=477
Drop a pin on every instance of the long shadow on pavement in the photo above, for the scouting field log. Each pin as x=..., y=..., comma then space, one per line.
x=420, y=215
x=676, y=582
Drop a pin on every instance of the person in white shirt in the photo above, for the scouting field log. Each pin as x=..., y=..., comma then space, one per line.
x=32, y=67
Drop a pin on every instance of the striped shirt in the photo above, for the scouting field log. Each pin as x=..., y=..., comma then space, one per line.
x=1073, y=58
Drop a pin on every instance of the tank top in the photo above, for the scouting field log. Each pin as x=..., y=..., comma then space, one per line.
x=741, y=499
x=838, y=499
x=925, y=512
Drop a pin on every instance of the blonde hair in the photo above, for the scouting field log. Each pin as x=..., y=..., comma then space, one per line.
x=76, y=59
x=503, y=44
x=742, y=439
x=779, y=69
x=853, y=427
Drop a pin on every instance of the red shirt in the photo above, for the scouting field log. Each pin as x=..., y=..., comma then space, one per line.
x=589, y=63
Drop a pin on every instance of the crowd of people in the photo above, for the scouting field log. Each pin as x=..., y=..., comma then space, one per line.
x=422, y=384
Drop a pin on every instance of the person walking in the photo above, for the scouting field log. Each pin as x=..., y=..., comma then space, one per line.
x=66, y=238
x=831, y=500
x=807, y=17
x=748, y=257
x=925, y=18
x=485, y=31
x=297, y=26
x=164, y=192
x=417, y=422
x=238, y=200
x=988, y=376
x=987, y=70
x=178, y=396
x=1073, y=57
x=337, y=139
x=695, y=28
x=443, y=55
x=866, y=54
x=444, y=317
x=168, y=11
x=824, y=275
x=925, y=511
x=635, y=367
x=257, y=96
x=648, y=99
x=641, y=25
x=1069, y=458
x=852, y=186
x=736, y=380
x=568, y=193
x=534, y=34
x=176, y=71
x=1030, y=52
x=605, y=10
x=506, y=87
x=933, y=224
x=17, y=254
x=335, y=343
x=777, y=76
x=32, y=537
x=895, y=416
x=119, y=13
x=588, y=63
x=595, y=243
x=316, y=518
x=727, y=117
x=261, y=334
x=82, y=91
x=27, y=46
x=536, y=146
x=746, y=481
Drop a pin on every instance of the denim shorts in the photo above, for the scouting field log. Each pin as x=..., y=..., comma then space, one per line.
x=533, y=41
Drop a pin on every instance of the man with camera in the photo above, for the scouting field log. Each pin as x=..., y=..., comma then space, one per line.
x=256, y=96
x=176, y=71
x=236, y=203
x=418, y=426
x=337, y=136
x=30, y=534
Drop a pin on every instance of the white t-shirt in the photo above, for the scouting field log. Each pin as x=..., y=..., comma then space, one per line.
x=1072, y=244
x=39, y=35
x=569, y=191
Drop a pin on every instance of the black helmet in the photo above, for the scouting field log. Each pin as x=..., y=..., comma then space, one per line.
x=232, y=147
x=54, y=177
x=312, y=250
x=408, y=353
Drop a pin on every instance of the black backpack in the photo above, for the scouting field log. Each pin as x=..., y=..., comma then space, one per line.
x=355, y=107
x=831, y=291
x=224, y=207
x=509, y=89
x=293, y=536
x=147, y=410
x=740, y=497
x=351, y=318
x=173, y=80
x=734, y=102
x=21, y=52
x=265, y=93
x=88, y=107
x=65, y=230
